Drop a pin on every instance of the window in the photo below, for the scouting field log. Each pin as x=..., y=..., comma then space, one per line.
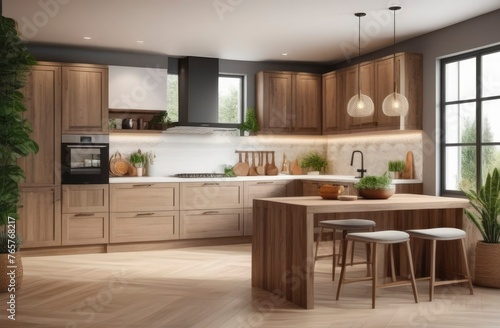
x=230, y=99
x=173, y=97
x=470, y=113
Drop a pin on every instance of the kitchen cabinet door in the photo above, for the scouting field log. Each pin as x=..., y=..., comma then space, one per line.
x=211, y=195
x=274, y=102
x=85, y=198
x=146, y=197
x=367, y=82
x=330, y=110
x=263, y=189
x=247, y=221
x=40, y=217
x=42, y=98
x=85, y=228
x=211, y=223
x=84, y=99
x=346, y=88
x=306, y=116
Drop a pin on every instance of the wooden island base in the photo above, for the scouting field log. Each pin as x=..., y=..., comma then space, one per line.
x=283, y=237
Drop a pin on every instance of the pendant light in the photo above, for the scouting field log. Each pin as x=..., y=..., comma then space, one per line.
x=395, y=104
x=360, y=105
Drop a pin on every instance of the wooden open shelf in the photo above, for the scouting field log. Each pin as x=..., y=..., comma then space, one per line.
x=134, y=114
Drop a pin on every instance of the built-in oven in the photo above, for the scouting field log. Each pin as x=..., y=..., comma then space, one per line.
x=85, y=159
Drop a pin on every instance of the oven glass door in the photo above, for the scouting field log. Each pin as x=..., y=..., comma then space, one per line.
x=85, y=163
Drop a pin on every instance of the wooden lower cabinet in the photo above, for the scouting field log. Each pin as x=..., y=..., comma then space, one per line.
x=85, y=198
x=39, y=222
x=144, y=197
x=144, y=226
x=212, y=223
x=85, y=228
x=211, y=195
x=264, y=189
x=247, y=221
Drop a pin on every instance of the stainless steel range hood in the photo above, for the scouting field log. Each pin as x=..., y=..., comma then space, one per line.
x=199, y=92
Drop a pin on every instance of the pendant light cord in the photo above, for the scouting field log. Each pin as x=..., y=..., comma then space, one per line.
x=359, y=56
x=394, y=58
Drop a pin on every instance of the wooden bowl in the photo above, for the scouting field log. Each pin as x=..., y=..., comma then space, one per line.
x=376, y=193
x=328, y=191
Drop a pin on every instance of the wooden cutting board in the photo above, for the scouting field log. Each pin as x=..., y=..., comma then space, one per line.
x=408, y=173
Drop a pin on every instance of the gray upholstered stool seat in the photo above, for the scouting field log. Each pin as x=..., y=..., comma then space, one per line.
x=345, y=226
x=443, y=234
x=388, y=237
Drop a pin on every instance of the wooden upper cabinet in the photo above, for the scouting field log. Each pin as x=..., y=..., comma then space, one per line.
x=367, y=83
x=288, y=102
x=84, y=99
x=329, y=103
x=346, y=88
x=42, y=98
x=409, y=83
x=307, y=104
x=274, y=101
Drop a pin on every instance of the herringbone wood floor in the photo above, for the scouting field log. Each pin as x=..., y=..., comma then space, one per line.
x=209, y=287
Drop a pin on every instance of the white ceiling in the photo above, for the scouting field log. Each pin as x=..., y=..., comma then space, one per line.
x=322, y=31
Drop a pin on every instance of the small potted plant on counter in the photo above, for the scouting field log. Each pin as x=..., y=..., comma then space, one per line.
x=486, y=217
x=375, y=187
x=396, y=169
x=315, y=162
x=138, y=159
x=250, y=125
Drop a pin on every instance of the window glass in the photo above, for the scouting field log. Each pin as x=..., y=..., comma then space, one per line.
x=460, y=122
x=467, y=79
x=490, y=77
x=451, y=71
x=230, y=99
x=491, y=119
x=460, y=168
x=490, y=159
x=173, y=97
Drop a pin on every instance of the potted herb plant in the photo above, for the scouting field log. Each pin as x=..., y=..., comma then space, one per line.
x=250, y=125
x=396, y=169
x=315, y=162
x=160, y=121
x=138, y=159
x=375, y=187
x=486, y=217
x=15, y=142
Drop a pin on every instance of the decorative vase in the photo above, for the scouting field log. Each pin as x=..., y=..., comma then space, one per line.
x=8, y=281
x=152, y=170
x=139, y=171
x=487, y=267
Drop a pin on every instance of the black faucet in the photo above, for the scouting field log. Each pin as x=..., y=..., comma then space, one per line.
x=362, y=169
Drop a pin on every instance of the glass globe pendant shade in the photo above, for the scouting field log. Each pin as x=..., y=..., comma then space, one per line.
x=360, y=105
x=395, y=104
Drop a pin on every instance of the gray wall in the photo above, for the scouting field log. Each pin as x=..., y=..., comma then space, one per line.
x=478, y=32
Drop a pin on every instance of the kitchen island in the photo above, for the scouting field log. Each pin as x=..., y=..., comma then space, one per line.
x=283, y=235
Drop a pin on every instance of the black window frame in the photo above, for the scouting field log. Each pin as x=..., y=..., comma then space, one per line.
x=478, y=102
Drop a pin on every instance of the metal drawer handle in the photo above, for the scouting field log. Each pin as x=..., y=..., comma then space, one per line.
x=85, y=214
x=210, y=212
x=265, y=182
x=211, y=184
x=144, y=214
x=142, y=185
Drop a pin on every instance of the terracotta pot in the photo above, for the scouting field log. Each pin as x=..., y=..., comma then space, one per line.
x=376, y=193
x=6, y=280
x=487, y=268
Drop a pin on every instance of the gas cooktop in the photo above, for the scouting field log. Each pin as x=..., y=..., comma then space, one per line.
x=201, y=175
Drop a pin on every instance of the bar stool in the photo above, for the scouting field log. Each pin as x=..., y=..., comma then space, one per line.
x=345, y=226
x=389, y=237
x=443, y=234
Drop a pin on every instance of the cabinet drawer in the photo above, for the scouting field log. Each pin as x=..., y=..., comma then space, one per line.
x=144, y=197
x=85, y=228
x=263, y=189
x=248, y=222
x=211, y=195
x=143, y=226
x=85, y=198
x=208, y=224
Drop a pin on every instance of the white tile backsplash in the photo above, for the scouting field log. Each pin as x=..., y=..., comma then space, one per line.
x=209, y=153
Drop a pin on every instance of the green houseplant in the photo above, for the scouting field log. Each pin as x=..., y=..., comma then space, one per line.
x=15, y=141
x=316, y=162
x=396, y=168
x=486, y=217
x=138, y=159
x=160, y=121
x=375, y=187
x=250, y=124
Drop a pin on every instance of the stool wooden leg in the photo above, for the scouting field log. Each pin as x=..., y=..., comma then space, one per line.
x=374, y=273
x=334, y=260
x=345, y=243
x=352, y=253
x=412, y=273
x=317, y=243
x=464, y=252
x=432, y=273
x=393, y=270
x=368, y=259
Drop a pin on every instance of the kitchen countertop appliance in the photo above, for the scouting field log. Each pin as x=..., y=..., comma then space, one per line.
x=85, y=159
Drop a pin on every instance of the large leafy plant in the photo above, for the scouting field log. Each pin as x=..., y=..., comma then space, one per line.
x=486, y=204
x=15, y=140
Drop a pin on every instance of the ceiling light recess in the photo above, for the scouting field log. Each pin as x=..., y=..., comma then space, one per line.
x=360, y=105
x=395, y=104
